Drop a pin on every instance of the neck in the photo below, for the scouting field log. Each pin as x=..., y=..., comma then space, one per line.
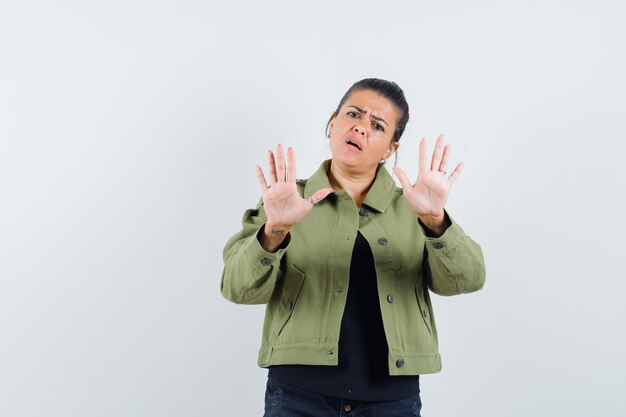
x=356, y=184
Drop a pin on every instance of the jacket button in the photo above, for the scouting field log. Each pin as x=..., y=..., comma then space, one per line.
x=364, y=212
x=391, y=298
x=289, y=306
x=266, y=261
x=437, y=245
x=400, y=363
x=383, y=241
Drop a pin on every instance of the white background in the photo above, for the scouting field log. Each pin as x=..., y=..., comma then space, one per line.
x=129, y=132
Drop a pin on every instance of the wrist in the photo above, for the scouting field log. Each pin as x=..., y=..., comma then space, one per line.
x=435, y=225
x=276, y=230
x=272, y=237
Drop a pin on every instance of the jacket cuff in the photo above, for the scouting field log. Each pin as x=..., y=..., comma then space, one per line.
x=445, y=243
x=261, y=258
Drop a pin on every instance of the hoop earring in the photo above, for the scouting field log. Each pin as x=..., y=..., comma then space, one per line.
x=382, y=162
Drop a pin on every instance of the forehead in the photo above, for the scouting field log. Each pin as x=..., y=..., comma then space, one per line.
x=373, y=103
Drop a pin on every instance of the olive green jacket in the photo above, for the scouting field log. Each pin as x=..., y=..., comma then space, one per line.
x=305, y=282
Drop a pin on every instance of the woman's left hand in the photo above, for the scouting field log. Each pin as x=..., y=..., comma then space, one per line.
x=428, y=195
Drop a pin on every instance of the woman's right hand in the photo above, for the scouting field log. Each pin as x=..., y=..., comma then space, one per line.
x=284, y=207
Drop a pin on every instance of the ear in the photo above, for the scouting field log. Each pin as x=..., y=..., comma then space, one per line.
x=332, y=117
x=393, y=148
x=329, y=126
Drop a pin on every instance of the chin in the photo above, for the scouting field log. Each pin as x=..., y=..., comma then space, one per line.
x=353, y=162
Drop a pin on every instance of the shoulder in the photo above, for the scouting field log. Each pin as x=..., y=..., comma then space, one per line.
x=301, y=184
x=398, y=203
x=396, y=193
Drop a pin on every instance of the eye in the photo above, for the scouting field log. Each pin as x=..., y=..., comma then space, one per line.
x=379, y=127
x=352, y=114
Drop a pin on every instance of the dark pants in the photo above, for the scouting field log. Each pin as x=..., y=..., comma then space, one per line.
x=286, y=401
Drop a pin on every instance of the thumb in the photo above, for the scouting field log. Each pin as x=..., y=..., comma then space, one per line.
x=321, y=194
x=404, y=181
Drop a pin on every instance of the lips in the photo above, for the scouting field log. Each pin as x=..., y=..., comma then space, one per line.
x=355, y=142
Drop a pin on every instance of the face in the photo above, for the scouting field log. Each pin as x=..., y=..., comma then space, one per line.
x=362, y=130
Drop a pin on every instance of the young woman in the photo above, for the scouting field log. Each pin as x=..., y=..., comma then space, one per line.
x=345, y=262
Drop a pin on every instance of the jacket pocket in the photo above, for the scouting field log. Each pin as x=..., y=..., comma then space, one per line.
x=294, y=278
x=421, y=303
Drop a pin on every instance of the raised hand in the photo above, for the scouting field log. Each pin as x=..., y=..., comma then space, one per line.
x=284, y=207
x=427, y=196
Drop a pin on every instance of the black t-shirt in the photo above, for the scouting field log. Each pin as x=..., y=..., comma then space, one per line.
x=362, y=372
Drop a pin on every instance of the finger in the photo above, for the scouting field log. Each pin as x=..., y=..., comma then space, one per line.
x=404, y=181
x=280, y=163
x=321, y=194
x=444, y=160
x=291, y=162
x=261, y=178
x=456, y=173
x=437, y=153
x=422, y=155
x=271, y=161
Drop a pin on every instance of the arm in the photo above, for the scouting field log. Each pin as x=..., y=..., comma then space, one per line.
x=252, y=256
x=250, y=272
x=453, y=262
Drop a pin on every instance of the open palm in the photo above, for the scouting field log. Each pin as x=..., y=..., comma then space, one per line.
x=427, y=196
x=284, y=207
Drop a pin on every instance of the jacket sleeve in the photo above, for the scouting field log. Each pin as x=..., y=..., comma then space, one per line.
x=250, y=272
x=453, y=262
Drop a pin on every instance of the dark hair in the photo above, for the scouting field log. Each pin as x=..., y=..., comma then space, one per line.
x=388, y=89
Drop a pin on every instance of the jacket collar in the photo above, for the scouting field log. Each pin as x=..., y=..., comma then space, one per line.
x=378, y=197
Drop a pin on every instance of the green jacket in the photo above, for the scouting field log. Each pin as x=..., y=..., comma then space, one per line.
x=305, y=283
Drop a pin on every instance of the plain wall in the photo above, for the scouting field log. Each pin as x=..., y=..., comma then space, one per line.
x=129, y=133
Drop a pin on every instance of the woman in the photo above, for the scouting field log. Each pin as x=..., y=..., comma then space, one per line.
x=345, y=261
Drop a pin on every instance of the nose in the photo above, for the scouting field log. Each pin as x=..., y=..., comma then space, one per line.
x=360, y=128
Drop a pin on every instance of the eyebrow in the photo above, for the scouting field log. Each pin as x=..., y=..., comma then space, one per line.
x=373, y=117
